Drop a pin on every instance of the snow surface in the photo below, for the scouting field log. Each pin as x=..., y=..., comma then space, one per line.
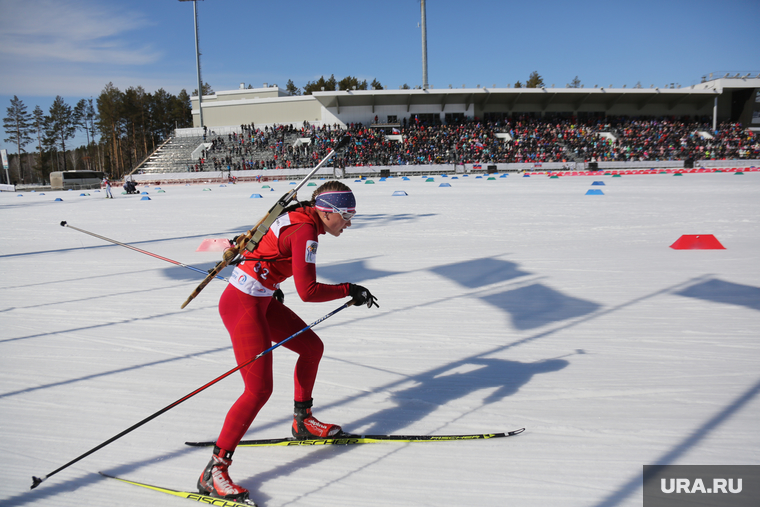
x=507, y=303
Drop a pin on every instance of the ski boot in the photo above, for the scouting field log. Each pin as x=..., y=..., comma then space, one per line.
x=306, y=426
x=215, y=480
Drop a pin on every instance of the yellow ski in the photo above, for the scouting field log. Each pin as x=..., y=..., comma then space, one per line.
x=204, y=499
x=349, y=439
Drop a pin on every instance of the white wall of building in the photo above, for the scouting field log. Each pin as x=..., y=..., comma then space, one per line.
x=270, y=105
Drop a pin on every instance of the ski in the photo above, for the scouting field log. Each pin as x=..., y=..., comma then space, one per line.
x=349, y=439
x=204, y=499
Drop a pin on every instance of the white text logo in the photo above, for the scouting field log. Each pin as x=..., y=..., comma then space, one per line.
x=698, y=486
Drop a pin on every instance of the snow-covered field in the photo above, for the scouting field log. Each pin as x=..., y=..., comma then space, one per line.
x=506, y=303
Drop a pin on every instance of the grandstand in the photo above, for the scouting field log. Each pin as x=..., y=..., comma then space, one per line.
x=173, y=156
x=250, y=133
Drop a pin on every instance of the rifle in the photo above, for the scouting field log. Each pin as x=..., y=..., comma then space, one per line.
x=250, y=240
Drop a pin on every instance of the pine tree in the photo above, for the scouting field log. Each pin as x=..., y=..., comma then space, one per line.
x=182, y=111
x=207, y=90
x=62, y=124
x=91, y=117
x=38, y=128
x=320, y=85
x=534, y=81
x=49, y=143
x=350, y=83
x=161, y=113
x=292, y=88
x=137, y=123
x=18, y=127
x=110, y=125
x=84, y=115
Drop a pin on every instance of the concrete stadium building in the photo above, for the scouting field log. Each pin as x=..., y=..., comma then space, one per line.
x=729, y=98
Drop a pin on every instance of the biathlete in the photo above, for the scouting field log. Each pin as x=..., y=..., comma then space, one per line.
x=253, y=312
x=107, y=184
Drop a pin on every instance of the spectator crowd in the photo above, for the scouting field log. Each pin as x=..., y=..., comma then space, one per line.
x=521, y=139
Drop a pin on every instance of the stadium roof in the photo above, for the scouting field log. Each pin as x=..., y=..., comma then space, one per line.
x=270, y=105
x=509, y=98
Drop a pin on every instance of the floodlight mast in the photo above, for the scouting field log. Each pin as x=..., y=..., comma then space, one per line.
x=425, y=85
x=197, y=60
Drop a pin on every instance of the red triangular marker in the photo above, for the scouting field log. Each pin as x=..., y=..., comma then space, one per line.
x=697, y=242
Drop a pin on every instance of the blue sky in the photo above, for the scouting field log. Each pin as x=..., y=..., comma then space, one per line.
x=73, y=48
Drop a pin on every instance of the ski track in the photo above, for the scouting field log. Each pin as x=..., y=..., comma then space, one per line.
x=507, y=303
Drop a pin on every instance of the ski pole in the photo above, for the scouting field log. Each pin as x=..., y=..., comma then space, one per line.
x=65, y=224
x=36, y=481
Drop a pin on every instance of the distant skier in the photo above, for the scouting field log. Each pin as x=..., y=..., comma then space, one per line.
x=253, y=312
x=107, y=183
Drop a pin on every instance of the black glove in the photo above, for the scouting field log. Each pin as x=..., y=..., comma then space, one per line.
x=279, y=296
x=362, y=296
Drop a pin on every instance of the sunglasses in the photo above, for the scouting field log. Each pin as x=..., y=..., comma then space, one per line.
x=344, y=214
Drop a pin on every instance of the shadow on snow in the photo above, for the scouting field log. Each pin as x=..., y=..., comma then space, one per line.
x=718, y=291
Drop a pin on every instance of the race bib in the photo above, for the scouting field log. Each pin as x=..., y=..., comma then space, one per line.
x=247, y=284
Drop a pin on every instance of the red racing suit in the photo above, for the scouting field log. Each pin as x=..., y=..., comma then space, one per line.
x=288, y=249
x=255, y=320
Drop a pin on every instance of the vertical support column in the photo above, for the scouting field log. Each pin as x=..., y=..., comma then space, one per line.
x=425, y=85
x=715, y=114
x=198, y=63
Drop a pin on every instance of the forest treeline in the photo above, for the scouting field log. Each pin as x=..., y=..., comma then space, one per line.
x=121, y=128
